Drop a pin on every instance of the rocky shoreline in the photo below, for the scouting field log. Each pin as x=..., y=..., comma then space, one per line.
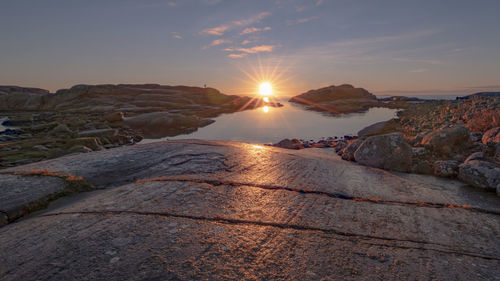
x=452, y=139
x=43, y=125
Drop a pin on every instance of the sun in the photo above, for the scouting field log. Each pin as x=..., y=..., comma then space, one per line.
x=265, y=89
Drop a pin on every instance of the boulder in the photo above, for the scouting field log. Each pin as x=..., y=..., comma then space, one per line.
x=491, y=136
x=447, y=140
x=289, y=144
x=446, y=168
x=481, y=174
x=390, y=152
x=348, y=152
x=341, y=144
x=114, y=117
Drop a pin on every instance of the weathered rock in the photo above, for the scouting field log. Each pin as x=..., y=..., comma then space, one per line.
x=289, y=144
x=162, y=124
x=446, y=168
x=390, y=152
x=208, y=210
x=491, y=136
x=62, y=131
x=98, y=133
x=341, y=144
x=447, y=140
x=481, y=174
x=475, y=156
x=348, y=152
x=90, y=142
x=380, y=128
x=114, y=117
x=422, y=167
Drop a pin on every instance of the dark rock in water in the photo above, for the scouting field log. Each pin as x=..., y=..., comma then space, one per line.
x=380, y=128
x=447, y=140
x=481, y=174
x=446, y=168
x=491, y=136
x=11, y=132
x=390, y=152
x=289, y=144
x=62, y=130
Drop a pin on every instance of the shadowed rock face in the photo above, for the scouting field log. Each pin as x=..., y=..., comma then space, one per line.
x=221, y=210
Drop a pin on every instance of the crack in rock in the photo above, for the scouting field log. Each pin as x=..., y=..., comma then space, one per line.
x=354, y=236
x=328, y=194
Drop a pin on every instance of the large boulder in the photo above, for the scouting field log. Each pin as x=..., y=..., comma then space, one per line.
x=481, y=174
x=491, y=136
x=446, y=168
x=390, y=152
x=447, y=140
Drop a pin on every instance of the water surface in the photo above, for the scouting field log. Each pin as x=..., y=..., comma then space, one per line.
x=290, y=121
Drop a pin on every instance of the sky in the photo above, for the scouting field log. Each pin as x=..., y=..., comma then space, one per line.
x=385, y=46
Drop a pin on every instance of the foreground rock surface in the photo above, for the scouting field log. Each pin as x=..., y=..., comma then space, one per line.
x=186, y=210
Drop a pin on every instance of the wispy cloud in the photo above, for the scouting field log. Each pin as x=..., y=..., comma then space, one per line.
x=237, y=56
x=416, y=60
x=220, y=42
x=419, y=70
x=302, y=20
x=176, y=35
x=319, y=3
x=245, y=42
x=257, y=49
x=221, y=29
x=250, y=30
x=172, y=4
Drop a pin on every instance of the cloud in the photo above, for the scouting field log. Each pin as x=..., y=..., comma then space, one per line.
x=172, y=4
x=176, y=35
x=426, y=61
x=219, y=30
x=220, y=41
x=249, y=30
x=319, y=3
x=245, y=42
x=237, y=56
x=257, y=49
x=302, y=20
x=419, y=70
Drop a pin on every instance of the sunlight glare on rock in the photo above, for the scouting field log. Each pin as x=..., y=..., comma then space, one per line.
x=265, y=109
x=266, y=99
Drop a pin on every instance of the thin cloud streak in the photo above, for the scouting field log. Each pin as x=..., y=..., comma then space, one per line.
x=221, y=29
x=250, y=30
x=257, y=49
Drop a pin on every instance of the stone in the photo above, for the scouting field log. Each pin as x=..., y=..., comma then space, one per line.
x=475, y=156
x=114, y=117
x=348, y=152
x=61, y=131
x=446, y=168
x=390, y=152
x=447, y=140
x=491, y=136
x=339, y=145
x=481, y=174
x=289, y=144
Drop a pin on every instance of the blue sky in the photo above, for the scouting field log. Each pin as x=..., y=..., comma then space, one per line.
x=384, y=46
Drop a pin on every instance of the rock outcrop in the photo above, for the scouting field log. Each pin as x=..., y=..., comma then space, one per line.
x=390, y=152
x=448, y=140
x=337, y=99
x=481, y=174
x=199, y=210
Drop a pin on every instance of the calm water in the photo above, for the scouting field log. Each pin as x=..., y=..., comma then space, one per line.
x=289, y=121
